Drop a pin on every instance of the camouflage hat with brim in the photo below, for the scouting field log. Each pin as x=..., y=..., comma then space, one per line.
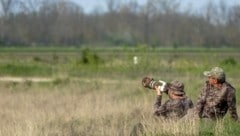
x=215, y=72
x=177, y=87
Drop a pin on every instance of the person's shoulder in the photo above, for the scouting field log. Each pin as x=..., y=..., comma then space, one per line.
x=228, y=87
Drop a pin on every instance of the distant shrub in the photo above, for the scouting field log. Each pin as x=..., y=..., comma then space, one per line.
x=89, y=57
x=55, y=58
x=229, y=61
x=37, y=59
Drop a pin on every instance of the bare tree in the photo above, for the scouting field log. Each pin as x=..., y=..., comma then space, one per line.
x=146, y=20
x=30, y=6
x=158, y=23
x=66, y=27
x=6, y=6
x=166, y=6
x=234, y=16
x=113, y=5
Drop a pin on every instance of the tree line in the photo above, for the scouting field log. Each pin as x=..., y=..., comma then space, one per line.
x=158, y=23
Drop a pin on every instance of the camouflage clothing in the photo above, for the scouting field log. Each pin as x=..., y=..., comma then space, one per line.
x=213, y=103
x=172, y=108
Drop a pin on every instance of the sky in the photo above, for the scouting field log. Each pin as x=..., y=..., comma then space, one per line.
x=90, y=5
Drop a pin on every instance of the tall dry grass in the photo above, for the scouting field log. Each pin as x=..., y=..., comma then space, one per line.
x=74, y=109
x=92, y=108
x=108, y=100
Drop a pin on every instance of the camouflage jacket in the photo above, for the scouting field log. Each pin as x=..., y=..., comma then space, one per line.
x=214, y=103
x=172, y=108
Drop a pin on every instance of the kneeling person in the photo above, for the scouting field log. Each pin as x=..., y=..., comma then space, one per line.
x=178, y=103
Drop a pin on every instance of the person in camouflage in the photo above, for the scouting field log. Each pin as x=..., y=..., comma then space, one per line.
x=217, y=96
x=175, y=108
x=177, y=105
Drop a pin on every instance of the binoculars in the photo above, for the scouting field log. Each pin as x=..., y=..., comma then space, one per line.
x=150, y=83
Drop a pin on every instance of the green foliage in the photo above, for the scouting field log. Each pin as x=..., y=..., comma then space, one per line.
x=37, y=59
x=141, y=47
x=225, y=127
x=90, y=57
x=19, y=69
x=116, y=62
x=229, y=62
x=88, y=63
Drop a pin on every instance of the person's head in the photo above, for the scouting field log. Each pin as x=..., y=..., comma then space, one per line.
x=215, y=76
x=176, y=89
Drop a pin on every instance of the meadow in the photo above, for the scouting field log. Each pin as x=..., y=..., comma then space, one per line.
x=98, y=92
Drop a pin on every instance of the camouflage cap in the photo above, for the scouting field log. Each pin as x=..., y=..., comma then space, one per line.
x=216, y=73
x=177, y=87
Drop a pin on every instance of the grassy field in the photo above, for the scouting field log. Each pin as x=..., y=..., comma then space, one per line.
x=99, y=93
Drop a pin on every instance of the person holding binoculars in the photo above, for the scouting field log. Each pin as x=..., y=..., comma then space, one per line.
x=178, y=103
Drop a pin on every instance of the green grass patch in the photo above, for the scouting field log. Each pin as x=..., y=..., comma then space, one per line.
x=25, y=70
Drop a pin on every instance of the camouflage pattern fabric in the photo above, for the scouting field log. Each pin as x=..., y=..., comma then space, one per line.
x=214, y=103
x=173, y=109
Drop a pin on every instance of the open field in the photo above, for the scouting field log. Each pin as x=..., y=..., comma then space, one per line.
x=99, y=92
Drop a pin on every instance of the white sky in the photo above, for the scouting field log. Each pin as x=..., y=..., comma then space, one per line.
x=90, y=5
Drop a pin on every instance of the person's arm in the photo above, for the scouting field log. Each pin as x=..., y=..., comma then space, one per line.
x=201, y=99
x=231, y=100
x=158, y=107
x=158, y=102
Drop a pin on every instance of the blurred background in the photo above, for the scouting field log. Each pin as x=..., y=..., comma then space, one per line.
x=154, y=23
